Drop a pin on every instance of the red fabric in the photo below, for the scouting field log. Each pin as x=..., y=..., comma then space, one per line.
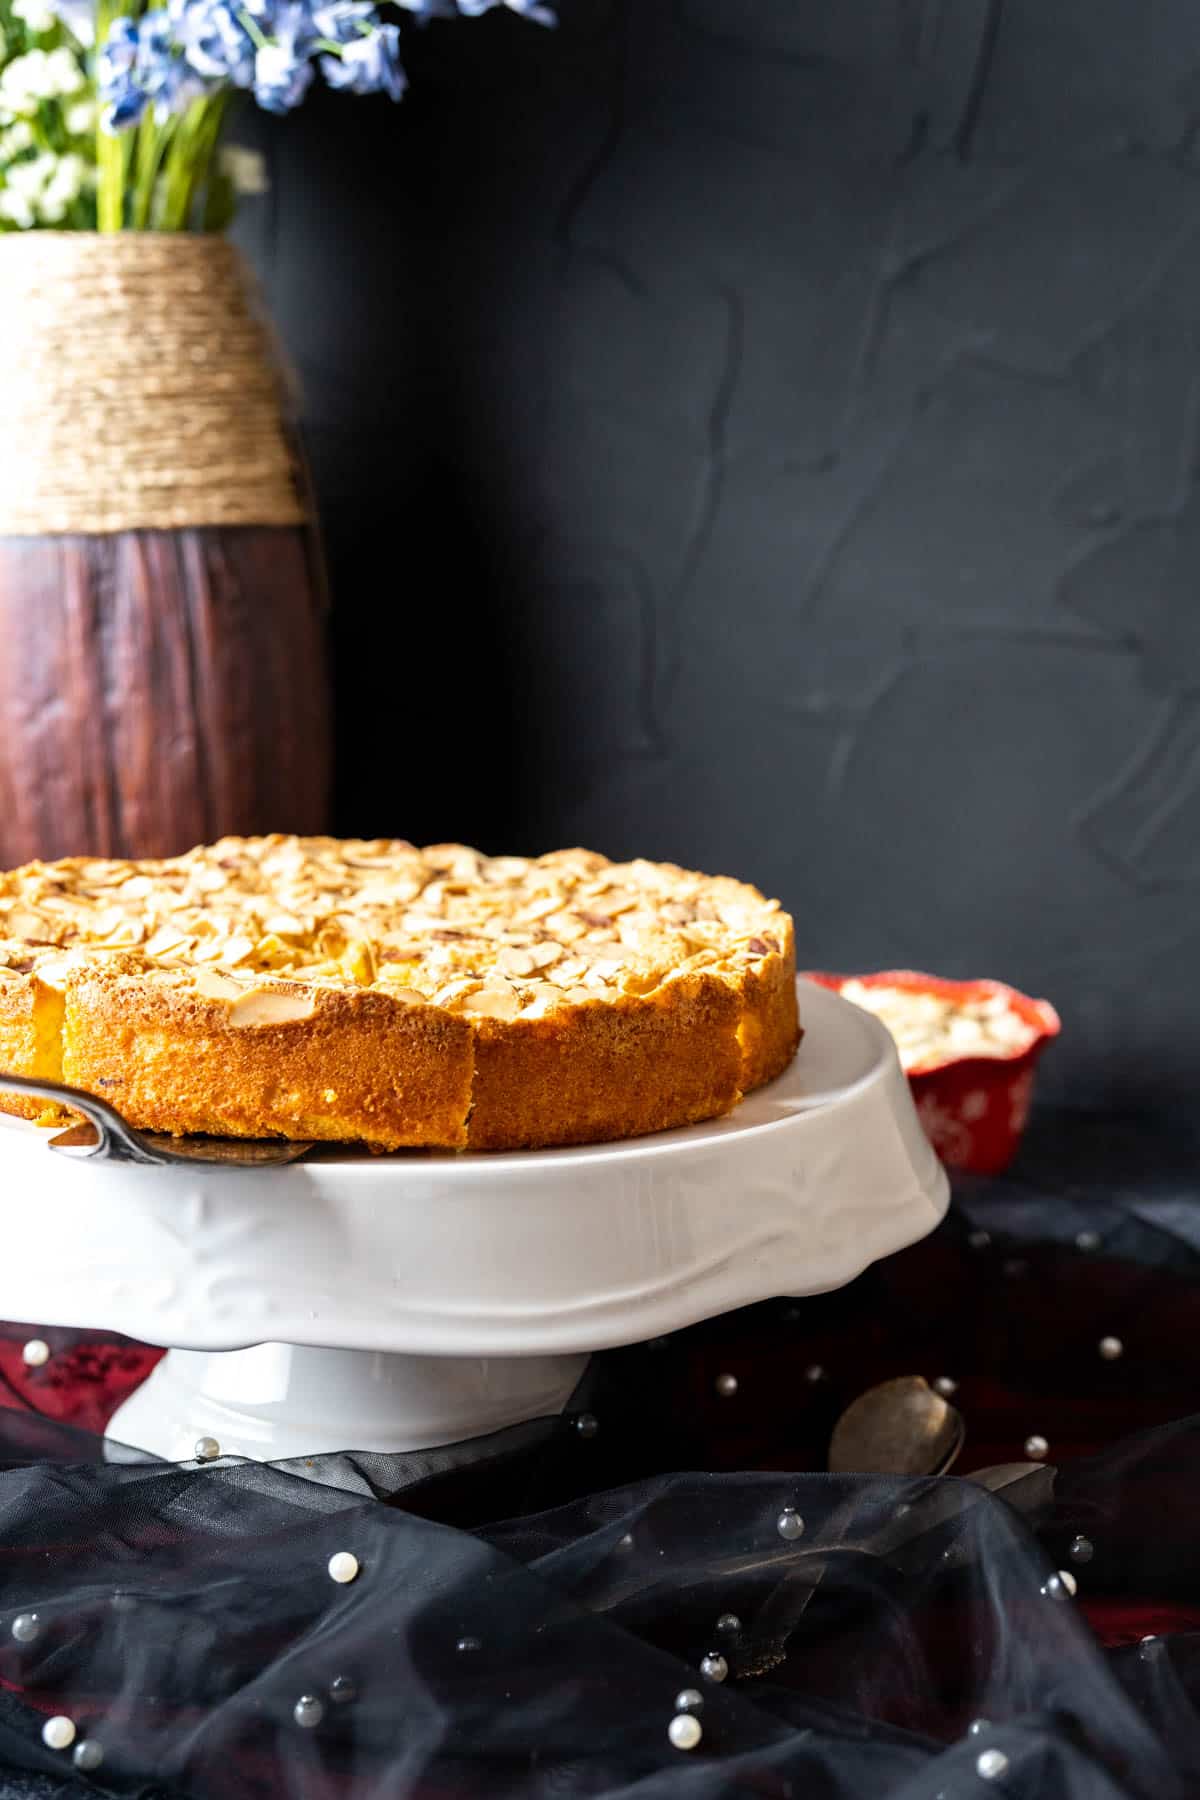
x=85, y=1380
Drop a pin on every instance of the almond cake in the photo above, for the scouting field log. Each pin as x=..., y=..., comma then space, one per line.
x=373, y=992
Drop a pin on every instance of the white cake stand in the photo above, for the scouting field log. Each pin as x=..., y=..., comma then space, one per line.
x=393, y=1303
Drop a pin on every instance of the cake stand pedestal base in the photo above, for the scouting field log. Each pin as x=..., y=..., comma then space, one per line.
x=278, y=1401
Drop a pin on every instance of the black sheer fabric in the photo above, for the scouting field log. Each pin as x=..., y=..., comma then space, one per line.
x=528, y=1610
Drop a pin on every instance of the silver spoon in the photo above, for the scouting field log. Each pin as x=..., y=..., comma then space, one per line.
x=108, y=1138
x=900, y=1427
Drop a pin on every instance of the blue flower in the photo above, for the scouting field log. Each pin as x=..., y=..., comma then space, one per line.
x=369, y=64
x=122, y=98
x=139, y=65
x=164, y=76
x=340, y=21
x=282, y=77
x=528, y=9
x=214, y=40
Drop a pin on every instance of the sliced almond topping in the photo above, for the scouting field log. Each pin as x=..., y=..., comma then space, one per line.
x=358, y=962
x=22, y=922
x=516, y=962
x=215, y=986
x=263, y=1006
x=285, y=925
x=566, y=927
x=541, y=907
x=235, y=950
x=566, y=974
x=56, y=971
x=499, y=1002
x=165, y=940
x=455, y=990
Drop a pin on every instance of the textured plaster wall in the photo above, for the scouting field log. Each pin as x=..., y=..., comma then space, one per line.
x=764, y=433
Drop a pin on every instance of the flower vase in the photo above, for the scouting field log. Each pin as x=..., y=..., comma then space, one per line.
x=162, y=635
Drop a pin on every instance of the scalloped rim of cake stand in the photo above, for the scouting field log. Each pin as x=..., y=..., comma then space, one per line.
x=391, y=1303
x=535, y=1253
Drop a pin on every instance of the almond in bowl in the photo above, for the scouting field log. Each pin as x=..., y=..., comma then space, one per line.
x=969, y=1049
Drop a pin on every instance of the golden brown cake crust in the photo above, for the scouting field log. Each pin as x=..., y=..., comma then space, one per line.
x=345, y=1066
x=619, y=1069
x=373, y=992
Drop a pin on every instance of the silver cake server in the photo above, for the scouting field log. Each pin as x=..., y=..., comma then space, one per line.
x=108, y=1138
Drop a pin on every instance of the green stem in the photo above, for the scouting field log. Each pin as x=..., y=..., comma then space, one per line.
x=110, y=150
x=151, y=147
x=187, y=166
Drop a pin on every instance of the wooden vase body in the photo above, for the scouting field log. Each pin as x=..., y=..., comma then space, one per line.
x=160, y=689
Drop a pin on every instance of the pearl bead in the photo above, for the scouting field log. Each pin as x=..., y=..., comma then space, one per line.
x=814, y=1373
x=343, y=1567
x=1036, y=1446
x=1082, y=1550
x=685, y=1731
x=714, y=1667
x=945, y=1385
x=206, y=1449
x=26, y=1627
x=1087, y=1240
x=977, y=1726
x=1055, y=1586
x=308, y=1711
x=726, y=1386
x=36, y=1353
x=88, y=1755
x=587, y=1425
x=625, y=1541
x=1069, y=1582
x=689, y=1700
x=342, y=1690
x=58, y=1733
x=729, y=1625
x=1110, y=1348
x=789, y=1524
x=466, y=1644
x=991, y=1764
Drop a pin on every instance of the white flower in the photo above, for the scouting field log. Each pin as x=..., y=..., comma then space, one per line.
x=246, y=169
x=29, y=178
x=81, y=118
x=64, y=73
x=16, y=209
x=35, y=15
x=17, y=94
x=39, y=75
x=66, y=183
x=16, y=139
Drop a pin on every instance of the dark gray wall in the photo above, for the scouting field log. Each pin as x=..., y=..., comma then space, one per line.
x=763, y=433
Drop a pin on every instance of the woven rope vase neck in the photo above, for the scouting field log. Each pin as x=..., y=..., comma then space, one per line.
x=162, y=653
x=140, y=387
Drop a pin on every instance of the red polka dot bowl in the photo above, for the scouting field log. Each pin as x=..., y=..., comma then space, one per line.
x=973, y=1107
